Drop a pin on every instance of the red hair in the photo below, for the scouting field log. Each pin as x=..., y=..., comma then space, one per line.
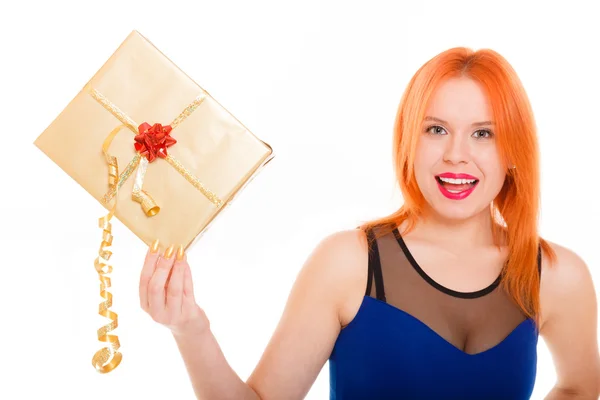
x=516, y=208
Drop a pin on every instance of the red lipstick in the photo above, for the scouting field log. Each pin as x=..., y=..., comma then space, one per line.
x=456, y=191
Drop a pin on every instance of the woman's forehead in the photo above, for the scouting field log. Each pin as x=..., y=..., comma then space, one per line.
x=461, y=102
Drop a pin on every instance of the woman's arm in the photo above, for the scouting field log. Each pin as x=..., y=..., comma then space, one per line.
x=304, y=337
x=569, y=326
x=211, y=376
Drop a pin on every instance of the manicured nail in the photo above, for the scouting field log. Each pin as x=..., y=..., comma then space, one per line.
x=169, y=251
x=154, y=247
x=180, y=252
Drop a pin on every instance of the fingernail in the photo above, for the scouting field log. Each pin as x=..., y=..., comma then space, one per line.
x=154, y=247
x=180, y=252
x=169, y=251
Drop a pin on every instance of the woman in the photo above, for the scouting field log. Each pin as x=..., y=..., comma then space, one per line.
x=443, y=299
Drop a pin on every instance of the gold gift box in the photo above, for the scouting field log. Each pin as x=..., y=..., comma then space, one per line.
x=215, y=150
x=103, y=141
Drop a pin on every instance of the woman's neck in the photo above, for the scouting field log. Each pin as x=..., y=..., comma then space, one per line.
x=465, y=234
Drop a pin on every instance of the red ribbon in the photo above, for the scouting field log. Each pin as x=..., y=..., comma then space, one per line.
x=152, y=141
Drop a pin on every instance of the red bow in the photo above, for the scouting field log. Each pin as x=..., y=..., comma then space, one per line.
x=153, y=141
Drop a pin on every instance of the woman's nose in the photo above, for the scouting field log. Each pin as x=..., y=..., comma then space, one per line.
x=457, y=150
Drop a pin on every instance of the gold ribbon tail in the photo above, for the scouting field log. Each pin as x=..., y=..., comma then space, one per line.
x=107, y=358
x=149, y=206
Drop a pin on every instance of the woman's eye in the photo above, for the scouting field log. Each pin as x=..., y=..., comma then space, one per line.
x=482, y=134
x=436, y=130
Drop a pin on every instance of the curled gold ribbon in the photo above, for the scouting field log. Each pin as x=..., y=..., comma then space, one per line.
x=107, y=358
x=140, y=195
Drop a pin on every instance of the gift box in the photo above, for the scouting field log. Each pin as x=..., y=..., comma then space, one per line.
x=156, y=150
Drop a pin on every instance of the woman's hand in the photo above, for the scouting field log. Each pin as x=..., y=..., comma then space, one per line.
x=167, y=292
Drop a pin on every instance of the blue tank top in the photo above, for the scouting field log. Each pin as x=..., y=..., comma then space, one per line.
x=413, y=338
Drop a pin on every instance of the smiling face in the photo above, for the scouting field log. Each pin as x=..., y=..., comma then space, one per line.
x=457, y=164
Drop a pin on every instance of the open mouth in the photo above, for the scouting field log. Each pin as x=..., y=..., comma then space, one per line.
x=456, y=185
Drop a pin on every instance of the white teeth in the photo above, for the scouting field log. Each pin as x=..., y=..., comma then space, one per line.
x=457, y=181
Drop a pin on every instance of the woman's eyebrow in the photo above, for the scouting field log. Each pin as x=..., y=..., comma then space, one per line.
x=482, y=123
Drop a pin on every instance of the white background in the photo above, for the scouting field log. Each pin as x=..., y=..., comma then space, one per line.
x=318, y=80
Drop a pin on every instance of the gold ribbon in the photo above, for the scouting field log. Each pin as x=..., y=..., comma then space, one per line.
x=108, y=358
x=141, y=196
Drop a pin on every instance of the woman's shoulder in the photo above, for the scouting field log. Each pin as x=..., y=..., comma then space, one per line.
x=342, y=259
x=344, y=255
x=566, y=282
x=342, y=250
x=565, y=270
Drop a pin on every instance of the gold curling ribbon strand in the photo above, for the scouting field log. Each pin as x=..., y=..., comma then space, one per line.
x=107, y=358
x=149, y=206
x=122, y=178
x=141, y=196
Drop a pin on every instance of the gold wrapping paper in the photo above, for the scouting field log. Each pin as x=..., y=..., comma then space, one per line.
x=173, y=199
x=211, y=143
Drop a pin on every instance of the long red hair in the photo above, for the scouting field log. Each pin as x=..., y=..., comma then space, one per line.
x=516, y=208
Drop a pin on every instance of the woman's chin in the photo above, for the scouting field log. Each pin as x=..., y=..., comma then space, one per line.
x=460, y=211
